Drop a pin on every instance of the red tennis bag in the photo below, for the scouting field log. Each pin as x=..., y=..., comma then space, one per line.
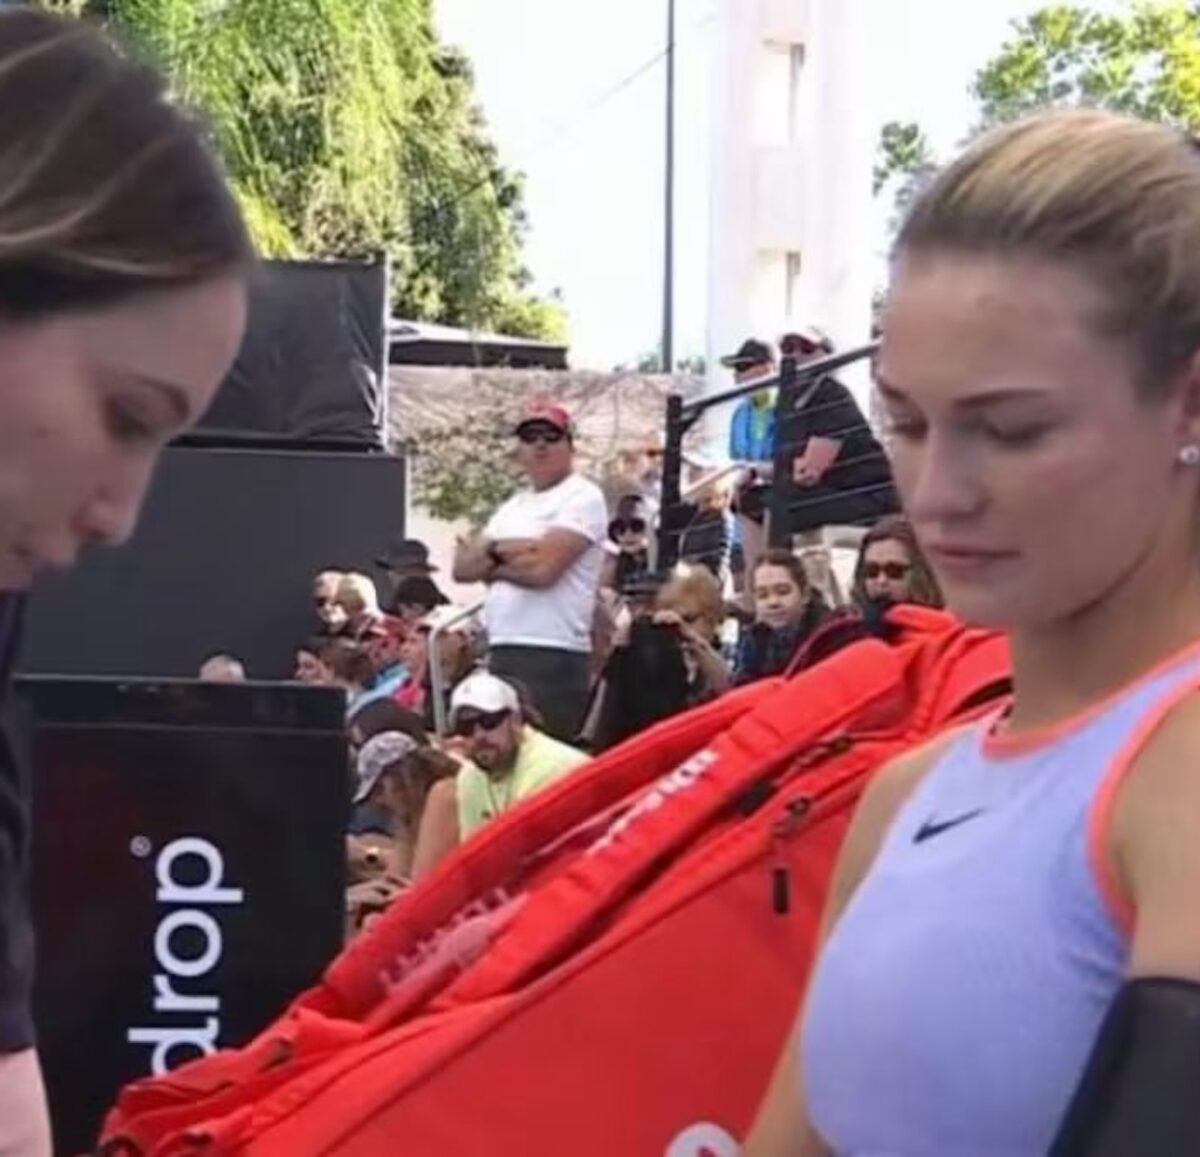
x=611, y=967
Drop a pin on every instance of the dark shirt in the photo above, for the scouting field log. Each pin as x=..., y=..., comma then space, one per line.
x=765, y=651
x=643, y=682
x=16, y=931
x=830, y=411
x=371, y=818
x=631, y=565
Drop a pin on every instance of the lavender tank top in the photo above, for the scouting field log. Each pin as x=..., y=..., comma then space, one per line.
x=958, y=998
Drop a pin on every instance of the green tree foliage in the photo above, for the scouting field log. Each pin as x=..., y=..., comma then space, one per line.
x=1143, y=60
x=349, y=129
x=903, y=160
x=465, y=472
x=903, y=153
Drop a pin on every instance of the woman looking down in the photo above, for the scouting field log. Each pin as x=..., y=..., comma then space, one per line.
x=1012, y=953
x=123, y=262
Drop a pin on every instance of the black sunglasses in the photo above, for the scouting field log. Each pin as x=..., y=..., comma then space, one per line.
x=466, y=725
x=892, y=570
x=620, y=526
x=547, y=435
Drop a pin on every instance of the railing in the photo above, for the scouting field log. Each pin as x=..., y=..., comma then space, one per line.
x=437, y=677
x=792, y=380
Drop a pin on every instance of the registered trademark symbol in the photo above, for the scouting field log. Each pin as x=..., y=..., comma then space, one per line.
x=141, y=847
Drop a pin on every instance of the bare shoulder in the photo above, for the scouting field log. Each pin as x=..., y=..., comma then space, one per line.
x=1159, y=781
x=1150, y=822
x=891, y=786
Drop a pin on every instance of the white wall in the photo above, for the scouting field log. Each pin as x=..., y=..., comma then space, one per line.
x=792, y=156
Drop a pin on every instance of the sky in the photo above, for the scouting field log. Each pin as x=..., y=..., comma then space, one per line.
x=573, y=93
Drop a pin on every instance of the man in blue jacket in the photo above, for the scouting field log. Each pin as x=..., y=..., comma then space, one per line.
x=752, y=443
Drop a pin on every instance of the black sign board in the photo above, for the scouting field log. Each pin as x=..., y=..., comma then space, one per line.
x=189, y=867
x=218, y=564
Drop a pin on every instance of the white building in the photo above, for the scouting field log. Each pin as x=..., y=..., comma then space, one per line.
x=794, y=133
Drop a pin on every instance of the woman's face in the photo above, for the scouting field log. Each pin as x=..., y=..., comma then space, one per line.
x=348, y=606
x=887, y=571
x=87, y=402
x=329, y=610
x=778, y=601
x=413, y=650
x=1037, y=479
x=629, y=534
x=454, y=650
x=310, y=669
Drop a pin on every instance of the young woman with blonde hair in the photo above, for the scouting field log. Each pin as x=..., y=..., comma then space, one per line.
x=1011, y=962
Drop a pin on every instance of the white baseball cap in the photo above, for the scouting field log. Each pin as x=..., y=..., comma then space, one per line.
x=448, y=618
x=485, y=693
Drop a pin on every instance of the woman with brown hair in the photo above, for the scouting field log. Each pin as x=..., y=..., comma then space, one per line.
x=892, y=568
x=123, y=266
x=787, y=611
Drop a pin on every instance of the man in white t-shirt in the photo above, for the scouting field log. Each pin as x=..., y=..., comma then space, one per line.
x=541, y=555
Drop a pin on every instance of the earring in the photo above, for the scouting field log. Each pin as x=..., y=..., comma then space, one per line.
x=1189, y=455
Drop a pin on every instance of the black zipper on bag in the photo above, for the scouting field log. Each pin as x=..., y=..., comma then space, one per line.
x=782, y=830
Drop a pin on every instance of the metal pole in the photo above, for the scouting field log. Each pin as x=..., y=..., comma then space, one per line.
x=672, y=468
x=437, y=677
x=668, y=318
x=782, y=487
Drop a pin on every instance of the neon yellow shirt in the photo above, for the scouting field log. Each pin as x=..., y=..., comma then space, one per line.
x=540, y=761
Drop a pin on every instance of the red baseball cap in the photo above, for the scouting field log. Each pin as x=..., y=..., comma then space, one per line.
x=545, y=413
x=388, y=627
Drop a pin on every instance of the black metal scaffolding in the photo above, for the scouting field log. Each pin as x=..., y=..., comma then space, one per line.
x=791, y=383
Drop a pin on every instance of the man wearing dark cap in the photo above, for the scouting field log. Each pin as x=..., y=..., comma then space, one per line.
x=406, y=557
x=839, y=473
x=752, y=443
x=407, y=569
x=541, y=555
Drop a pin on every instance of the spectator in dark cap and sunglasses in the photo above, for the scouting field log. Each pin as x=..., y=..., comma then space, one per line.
x=839, y=473
x=752, y=444
x=407, y=570
x=541, y=555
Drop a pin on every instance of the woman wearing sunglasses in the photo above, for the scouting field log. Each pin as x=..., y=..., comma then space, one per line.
x=541, y=555
x=892, y=568
x=629, y=548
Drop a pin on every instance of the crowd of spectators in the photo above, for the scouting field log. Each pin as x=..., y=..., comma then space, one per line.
x=579, y=640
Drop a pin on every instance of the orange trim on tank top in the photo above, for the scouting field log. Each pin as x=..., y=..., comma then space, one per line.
x=999, y=745
x=1100, y=813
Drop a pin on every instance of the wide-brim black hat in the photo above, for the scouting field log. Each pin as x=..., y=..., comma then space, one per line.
x=407, y=555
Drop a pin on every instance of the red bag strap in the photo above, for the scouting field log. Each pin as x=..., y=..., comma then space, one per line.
x=799, y=721
x=487, y=869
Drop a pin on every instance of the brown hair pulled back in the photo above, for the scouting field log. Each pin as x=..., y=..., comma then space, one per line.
x=1115, y=197
x=107, y=187
x=785, y=560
